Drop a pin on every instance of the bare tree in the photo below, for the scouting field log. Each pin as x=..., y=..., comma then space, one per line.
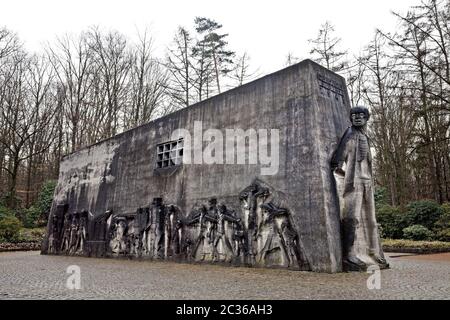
x=9, y=43
x=241, y=72
x=179, y=64
x=113, y=59
x=148, y=84
x=72, y=60
x=26, y=116
x=291, y=59
x=325, y=49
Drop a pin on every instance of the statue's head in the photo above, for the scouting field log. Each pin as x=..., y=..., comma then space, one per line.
x=157, y=201
x=212, y=202
x=359, y=116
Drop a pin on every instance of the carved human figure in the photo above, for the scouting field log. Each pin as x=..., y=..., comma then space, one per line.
x=74, y=234
x=135, y=245
x=171, y=231
x=81, y=233
x=65, y=241
x=179, y=236
x=159, y=230
x=222, y=249
x=283, y=227
x=352, y=167
x=133, y=238
x=200, y=218
x=251, y=201
x=211, y=217
x=119, y=242
x=270, y=249
x=154, y=231
x=240, y=253
x=146, y=232
x=140, y=223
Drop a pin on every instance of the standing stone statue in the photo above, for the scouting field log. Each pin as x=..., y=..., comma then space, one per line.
x=352, y=166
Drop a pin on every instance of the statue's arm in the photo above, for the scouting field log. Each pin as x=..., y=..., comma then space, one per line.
x=340, y=154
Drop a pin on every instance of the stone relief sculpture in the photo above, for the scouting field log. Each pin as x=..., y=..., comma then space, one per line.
x=270, y=236
x=118, y=242
x=66, y=234
x=99, y=227
x=226, y=224
x=261, y=233
x=352, y=167
x=69, y=233
x=81, y=235
x=172, y=232
x=154, y=230
x=200, y=233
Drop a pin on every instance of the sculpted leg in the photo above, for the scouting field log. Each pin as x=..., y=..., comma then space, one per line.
x=351, y=234
x=375, y=248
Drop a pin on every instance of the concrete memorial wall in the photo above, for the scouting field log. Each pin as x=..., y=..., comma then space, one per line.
x=190, y=186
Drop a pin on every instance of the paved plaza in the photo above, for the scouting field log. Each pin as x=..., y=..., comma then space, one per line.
x=29, y=275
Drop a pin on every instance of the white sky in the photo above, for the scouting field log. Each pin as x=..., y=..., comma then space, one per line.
x=267, y=29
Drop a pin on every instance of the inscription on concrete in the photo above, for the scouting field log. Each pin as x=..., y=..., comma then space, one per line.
x=330, y=88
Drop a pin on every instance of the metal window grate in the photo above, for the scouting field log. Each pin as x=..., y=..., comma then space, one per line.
x=169, y=154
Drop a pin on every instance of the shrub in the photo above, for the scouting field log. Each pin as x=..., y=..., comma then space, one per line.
x=32, y=235
x=425, y=213
x=391, y=220
x=415, y=246
x=37, y=214
x=444, y=220
x=380, y=196
x=38, y=233
x=10, y=229
x=417, y=232
x=44, y=202
x=443, y=235
x=31, y=217
x=8, y=199
x=5, y=212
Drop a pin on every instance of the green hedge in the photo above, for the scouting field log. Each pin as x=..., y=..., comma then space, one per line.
x=32, y=235
x=393, y=245
x=10, y=229
x=417, y=232
x=36, y=215
x=5, y=212
x=425, y=213
x=392, y=221
x=419, y=220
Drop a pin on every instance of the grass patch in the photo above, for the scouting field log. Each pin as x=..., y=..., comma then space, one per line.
x=28, y=235
x=28, y=239
x=32, y=234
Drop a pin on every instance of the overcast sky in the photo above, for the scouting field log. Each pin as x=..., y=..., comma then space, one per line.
x=266, y=30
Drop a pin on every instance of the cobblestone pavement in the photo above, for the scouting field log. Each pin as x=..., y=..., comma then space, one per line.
x=28, y=275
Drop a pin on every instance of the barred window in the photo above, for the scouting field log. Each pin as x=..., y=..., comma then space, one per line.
x=169, y=154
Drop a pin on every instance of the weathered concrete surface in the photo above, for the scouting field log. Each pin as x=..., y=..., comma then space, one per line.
x=307, y=103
